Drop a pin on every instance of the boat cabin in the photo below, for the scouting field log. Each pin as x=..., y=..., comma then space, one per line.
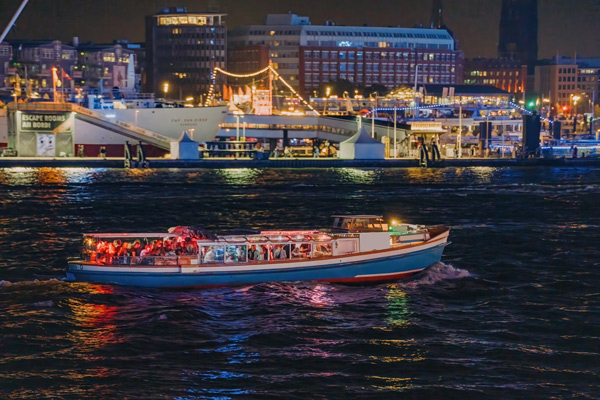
x=189, y=245
x=359, y=223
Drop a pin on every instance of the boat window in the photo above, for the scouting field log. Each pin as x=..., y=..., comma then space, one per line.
x=361, y=223
x=212, y=254
x=322, y=250
x=301, y=250
x=236, y=254
x=281, y=251
x=258, y=252
x=337, y=222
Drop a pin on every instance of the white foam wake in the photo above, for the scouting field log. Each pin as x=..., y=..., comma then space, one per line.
x=33, y=282
x=438, y=272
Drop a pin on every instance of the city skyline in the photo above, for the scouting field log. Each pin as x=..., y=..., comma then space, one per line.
x=474, y=22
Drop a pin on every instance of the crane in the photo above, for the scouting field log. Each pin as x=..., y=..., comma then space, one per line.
x=12, y=21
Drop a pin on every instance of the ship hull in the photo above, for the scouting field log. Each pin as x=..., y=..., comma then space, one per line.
x=379, y=266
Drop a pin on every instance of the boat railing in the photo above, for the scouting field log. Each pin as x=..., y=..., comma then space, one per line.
x=167, y=260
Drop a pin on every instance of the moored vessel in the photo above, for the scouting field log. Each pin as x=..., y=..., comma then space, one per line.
x=358, y=248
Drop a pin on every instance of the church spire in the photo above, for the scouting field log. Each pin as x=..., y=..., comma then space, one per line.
x=436, y=14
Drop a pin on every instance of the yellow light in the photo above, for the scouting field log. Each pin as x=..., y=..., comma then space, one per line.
x=166, y=87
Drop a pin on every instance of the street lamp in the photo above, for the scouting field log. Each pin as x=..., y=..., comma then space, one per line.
x=327, y=93
x=166, y=88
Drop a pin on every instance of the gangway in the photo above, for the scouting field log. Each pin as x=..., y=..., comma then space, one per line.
x=123, y=128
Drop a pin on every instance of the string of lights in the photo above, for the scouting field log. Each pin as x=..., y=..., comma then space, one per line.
x=250, y=75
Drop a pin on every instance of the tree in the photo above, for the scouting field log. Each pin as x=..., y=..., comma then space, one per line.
x=381, y=90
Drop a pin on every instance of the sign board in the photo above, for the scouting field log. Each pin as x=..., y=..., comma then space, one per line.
x=43, y=122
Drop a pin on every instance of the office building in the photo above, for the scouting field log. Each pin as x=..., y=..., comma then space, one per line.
x=308, y=56
x=182, y=49
x=504, y=74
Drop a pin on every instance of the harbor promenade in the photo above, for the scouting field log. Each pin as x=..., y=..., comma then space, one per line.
x=95, y=162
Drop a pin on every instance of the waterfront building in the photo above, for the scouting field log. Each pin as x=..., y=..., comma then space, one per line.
x=247, y=59
x=182, y=49
x=109, y=68
x=508, y=75
x=33, y=63
x=308, y=56
x=5, y=58
x=569, y=83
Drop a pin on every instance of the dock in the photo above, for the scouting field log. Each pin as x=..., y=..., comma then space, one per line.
x=78, y=162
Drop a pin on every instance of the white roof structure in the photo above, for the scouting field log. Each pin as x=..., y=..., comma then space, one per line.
x=362, y=146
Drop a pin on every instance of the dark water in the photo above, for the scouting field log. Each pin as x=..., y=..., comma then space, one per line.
x=513, y=311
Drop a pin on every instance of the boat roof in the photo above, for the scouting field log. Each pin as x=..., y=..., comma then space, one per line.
x=356, y=216
x=129, y=235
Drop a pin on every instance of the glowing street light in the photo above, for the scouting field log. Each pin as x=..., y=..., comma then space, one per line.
x=166, y=88
x=327, y=93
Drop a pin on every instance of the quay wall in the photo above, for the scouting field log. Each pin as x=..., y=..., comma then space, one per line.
x=8, y=162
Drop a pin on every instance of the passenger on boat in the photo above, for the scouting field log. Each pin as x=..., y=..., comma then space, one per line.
x=259, y=255
x=280, y=252
x=136, y=249
x=190, y=246
x=296, y=252
x=209, y=257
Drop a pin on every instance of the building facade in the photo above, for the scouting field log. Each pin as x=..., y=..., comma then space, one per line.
x=107, y=69
x=33, y=64
x=307, y=56
x=504, y=74
x=182, y=49
x=5, y=65
x=571, y=85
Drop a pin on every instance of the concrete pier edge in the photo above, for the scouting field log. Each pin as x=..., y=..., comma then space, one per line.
x=8, y=162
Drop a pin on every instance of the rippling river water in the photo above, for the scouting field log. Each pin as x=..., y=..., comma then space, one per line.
x=513, y=311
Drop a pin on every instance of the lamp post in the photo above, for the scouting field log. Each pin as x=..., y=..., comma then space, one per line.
x=373, y=116
x=54, y=69
x=459, y=137
x=166, y=89
x=238, y=115
x=574, y=110
x=327, y=92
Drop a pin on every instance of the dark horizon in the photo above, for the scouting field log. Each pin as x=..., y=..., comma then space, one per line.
x=474, y=22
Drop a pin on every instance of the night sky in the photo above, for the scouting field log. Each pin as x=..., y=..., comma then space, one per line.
x=566, y=26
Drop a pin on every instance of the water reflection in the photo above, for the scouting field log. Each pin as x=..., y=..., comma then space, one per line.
x=398, y=311
x=46, y=176
x=94, y=325
x=238, y=176
x=358, y=176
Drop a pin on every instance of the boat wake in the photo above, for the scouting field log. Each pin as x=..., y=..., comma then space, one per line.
x=436, y=273
x=7, y=284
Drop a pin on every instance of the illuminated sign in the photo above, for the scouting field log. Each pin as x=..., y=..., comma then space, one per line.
x=183, y=20
x=345, y=43
x=426, y=126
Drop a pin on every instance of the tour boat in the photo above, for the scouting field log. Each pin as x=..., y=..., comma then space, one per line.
x=358, y=248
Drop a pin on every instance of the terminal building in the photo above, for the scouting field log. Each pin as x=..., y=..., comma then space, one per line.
x=311, y=55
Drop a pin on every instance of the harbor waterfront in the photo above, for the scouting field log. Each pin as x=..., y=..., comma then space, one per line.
x=161, y=163
x=509, y=312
